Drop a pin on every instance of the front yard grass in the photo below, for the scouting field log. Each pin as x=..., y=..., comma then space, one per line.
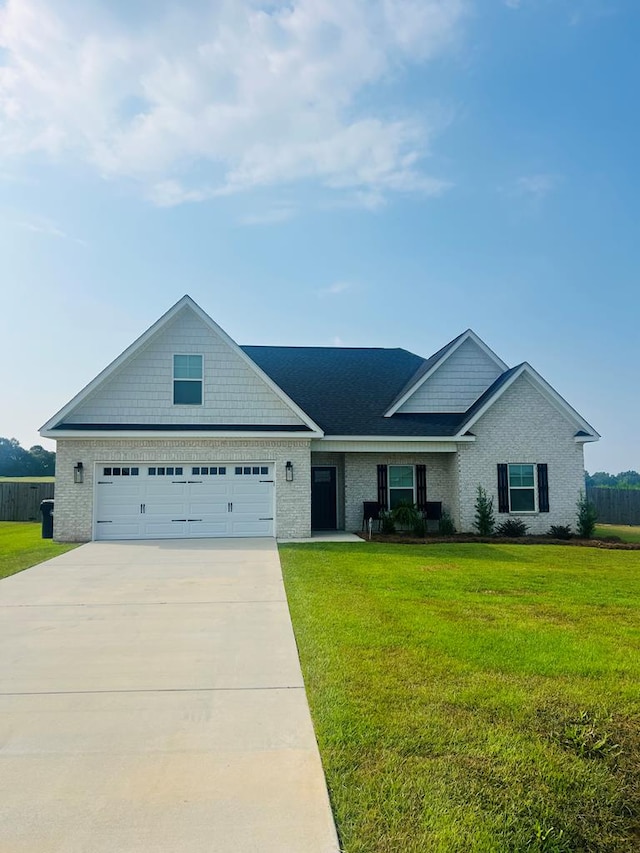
x=21, y=546
x=623, y=531
x=473, y=697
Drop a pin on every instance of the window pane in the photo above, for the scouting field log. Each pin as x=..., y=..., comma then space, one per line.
x=106, y=472
x=187, y=393
x=187, y=367
x=222, y=471
x=400, y=476
x=521, y=475
x=522, y=500
x=399, y=496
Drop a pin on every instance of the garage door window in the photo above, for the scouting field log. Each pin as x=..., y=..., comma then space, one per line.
x=120, y=472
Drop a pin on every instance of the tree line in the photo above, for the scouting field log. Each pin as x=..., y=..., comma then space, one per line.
x=15, y=461
x=623, y=480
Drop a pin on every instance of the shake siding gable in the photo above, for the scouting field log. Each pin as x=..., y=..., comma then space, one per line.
x=464, y=376
x=141, y=390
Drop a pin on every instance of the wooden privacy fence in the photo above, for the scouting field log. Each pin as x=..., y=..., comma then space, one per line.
x=21, y=501
x=616, y=506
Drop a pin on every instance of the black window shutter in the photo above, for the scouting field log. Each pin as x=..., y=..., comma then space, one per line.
x=421, y=487
x=543, y=488
x=382, y=486
x=503, y=488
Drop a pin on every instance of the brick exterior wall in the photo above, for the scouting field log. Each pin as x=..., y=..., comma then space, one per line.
x=361, y=479
x=73, y=514
x=522, y=426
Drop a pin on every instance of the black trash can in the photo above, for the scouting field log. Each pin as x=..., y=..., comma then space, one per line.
x=46, y=508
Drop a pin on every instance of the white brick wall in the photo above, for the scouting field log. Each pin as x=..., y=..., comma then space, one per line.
x=458, y=383
x=141, y=391
x=522, y=426
x=73, y=514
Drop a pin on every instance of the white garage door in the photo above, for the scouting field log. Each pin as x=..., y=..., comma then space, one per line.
x=183, y=500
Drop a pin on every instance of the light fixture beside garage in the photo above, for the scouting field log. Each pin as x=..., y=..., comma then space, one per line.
x=78, y=473
x=288, y=468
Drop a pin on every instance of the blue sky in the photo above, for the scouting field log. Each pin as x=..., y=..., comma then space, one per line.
x=371, y=173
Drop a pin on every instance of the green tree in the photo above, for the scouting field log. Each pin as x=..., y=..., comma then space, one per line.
x=485, y=520
x=587, y=517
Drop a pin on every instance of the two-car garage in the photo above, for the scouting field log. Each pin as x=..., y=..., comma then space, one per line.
x=183, y=500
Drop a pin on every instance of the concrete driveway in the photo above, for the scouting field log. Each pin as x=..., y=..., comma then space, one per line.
x=151, y=700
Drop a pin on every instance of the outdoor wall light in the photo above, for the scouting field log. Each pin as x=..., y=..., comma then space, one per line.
x=78, y=473
x=288, y=469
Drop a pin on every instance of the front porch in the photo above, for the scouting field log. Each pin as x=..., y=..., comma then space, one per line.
x=341, y=482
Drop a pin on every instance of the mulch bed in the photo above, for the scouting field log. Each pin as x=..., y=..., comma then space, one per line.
x=611, y=543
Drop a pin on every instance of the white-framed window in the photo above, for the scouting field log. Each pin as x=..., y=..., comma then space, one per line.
x=187, y=380
x=522, y=487
x=402, y=485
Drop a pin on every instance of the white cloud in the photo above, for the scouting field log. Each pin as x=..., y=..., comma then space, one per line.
x=272, y=216
x=537, y=187
x=220, y=96
x=512, y=4
x=47, y=228
x=335, y=289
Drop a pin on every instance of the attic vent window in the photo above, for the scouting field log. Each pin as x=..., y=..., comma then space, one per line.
x=187, y=380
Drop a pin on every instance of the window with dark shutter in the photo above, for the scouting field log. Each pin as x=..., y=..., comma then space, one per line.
x=421, y=487
x=382, y=486
x=503, y=488
x=543, y=488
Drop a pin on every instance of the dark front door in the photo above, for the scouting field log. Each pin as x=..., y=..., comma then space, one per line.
x=324, y=515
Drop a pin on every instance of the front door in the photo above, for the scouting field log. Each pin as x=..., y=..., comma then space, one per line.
x=324, y=511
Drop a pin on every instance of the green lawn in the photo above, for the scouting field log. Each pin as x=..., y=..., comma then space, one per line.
x=624, y=531
x=21, y=546
x=472, y=697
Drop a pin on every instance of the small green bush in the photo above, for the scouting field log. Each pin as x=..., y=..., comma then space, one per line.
x=420, y=526
x=560, y=531
x=446, y=526
x=406, y=515
x=485, y=520
x=512, y=527
x=587, y=517
x=387, y=524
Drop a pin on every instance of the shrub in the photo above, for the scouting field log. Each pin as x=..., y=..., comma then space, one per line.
x=446, y=526
x=419, y=528
x=512, y=527
x=485, y=520
x=587, y=517
x=405, y=515
x=387, y=524
x=560, y=531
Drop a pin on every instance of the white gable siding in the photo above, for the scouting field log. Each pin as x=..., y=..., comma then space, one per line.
x=141, y=391
x=522, y=426
x=458, y=383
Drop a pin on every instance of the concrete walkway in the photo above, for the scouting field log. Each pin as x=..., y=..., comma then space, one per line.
x=151, y=700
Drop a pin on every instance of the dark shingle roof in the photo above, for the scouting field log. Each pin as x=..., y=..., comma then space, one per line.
x=347, y=391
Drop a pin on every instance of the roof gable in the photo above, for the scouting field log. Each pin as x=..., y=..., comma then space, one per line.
x=451, y=379
x=506, y=380
x=136, y=388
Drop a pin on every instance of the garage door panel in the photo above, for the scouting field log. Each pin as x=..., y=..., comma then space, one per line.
x=197, y=504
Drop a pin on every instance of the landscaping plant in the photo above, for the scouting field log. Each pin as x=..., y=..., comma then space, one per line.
x=485, y=520
x=513, y=528
x=587, y=517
